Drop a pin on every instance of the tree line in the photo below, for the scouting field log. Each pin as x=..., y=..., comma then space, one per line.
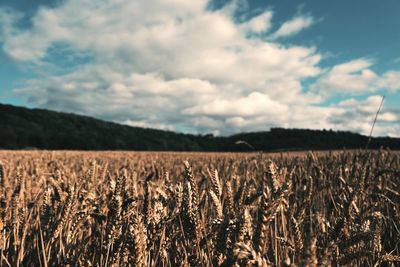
x=23, y=128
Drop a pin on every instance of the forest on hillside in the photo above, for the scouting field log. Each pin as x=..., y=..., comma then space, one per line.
x=23, y=128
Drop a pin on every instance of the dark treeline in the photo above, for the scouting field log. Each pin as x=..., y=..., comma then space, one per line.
x=22, y=128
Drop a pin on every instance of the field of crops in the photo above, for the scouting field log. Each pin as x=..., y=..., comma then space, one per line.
x=166, y=209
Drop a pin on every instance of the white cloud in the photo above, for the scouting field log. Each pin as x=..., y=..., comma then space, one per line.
x=390, y=80
x=356, y=77
x=293, y=26
x=252, y=105
x=367, y=106
x=184, y=67
x=8, y=18
x=358, y=115
x=389, y=117
x=259, y=24
x=147, y=124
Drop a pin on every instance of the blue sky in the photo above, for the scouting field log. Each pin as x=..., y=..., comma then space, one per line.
x=200, y=66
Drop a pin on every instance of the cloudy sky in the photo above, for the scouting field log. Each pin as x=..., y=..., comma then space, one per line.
x=202, y=66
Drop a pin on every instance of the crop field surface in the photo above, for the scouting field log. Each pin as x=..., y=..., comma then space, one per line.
x=75, y=208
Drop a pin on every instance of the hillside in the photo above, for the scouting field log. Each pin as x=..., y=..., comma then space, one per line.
x=44, y=129
x=22, y=128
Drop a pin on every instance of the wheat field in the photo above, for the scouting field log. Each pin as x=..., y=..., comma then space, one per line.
x=188, y=209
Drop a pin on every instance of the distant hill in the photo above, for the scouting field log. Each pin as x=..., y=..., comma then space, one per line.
x=22, y=128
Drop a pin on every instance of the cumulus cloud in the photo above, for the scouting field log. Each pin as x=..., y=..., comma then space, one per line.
x=293, y=26
x=252, y=105
x=184, y=68
x=259, y=24
x=358, y=115
x=354, y=77
x=390, y=80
